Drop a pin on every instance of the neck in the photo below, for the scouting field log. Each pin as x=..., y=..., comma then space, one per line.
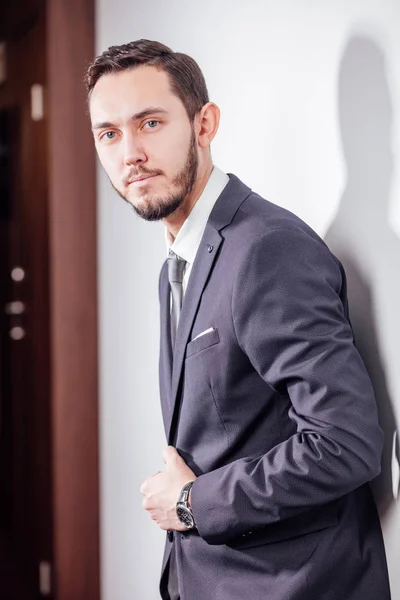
x=175, y=221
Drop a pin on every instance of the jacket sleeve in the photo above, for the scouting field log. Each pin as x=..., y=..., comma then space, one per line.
x=289, y=311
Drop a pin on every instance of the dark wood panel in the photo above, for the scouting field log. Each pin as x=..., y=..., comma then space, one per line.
x=73, y=294
x=19, y=16
x=26, y=514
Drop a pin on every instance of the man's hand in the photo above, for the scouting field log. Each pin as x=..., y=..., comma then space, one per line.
x=161, y=491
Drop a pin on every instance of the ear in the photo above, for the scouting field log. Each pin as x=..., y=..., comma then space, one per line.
x=207, y=121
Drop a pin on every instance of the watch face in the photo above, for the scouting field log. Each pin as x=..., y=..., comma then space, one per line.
x=185, y=516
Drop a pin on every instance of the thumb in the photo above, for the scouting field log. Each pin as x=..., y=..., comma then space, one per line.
x=170, y=455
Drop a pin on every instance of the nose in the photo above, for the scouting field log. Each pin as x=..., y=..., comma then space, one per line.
x=134, y=152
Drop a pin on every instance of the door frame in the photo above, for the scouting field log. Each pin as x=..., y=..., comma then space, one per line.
x=70, y=47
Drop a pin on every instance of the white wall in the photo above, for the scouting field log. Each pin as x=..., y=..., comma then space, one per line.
x=289, y=77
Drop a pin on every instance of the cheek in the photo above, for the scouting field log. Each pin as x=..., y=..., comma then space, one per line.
x=172, y=154
x=175, y=157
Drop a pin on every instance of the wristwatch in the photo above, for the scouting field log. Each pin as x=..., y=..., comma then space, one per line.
x=183, y=510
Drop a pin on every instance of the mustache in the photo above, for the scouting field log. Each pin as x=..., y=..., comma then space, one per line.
x=135, y=173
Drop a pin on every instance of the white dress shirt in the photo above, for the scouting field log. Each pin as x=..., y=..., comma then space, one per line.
x=188, y=240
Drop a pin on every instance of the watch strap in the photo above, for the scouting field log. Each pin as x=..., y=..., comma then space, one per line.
x=183, y=510
x=184, y=495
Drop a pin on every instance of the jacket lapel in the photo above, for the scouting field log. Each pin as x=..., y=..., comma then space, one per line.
x=165, y=363
x=201, y=269
x=222, y=214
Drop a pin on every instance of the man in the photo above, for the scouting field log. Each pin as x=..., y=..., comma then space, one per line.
x=268, y=410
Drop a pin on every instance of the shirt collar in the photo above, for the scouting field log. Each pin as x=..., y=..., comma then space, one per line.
x=189, y=236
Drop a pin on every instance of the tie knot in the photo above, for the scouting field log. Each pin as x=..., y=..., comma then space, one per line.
x=176, y=267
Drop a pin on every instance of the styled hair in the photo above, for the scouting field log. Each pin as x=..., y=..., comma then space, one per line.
x=186, y=79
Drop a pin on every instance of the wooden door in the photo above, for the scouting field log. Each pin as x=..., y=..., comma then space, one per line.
x=25, y=460
x=49, y=484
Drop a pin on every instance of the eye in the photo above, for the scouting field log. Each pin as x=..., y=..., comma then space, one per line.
x=107, y=136
x=152, y=124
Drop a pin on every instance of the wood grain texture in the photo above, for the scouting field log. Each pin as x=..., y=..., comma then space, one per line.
x=73, y=299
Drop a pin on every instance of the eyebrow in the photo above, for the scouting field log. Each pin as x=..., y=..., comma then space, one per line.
x=136, y=117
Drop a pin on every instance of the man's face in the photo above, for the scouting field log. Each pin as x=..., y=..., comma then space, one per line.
x=144, y=140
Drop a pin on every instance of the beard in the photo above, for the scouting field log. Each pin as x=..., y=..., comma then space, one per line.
x=161, y=207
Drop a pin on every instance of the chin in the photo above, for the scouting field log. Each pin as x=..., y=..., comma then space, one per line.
x=140, y=202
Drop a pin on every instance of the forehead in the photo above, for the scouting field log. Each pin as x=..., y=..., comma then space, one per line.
x=132, y=91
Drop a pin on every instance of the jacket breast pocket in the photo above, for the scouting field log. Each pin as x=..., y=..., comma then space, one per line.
x=202, y=342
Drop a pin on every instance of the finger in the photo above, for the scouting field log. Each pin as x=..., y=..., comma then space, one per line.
x=146, y=504
x=144, y=488
x=169, y=454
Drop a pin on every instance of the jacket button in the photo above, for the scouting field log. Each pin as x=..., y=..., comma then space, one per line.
x=170, y=535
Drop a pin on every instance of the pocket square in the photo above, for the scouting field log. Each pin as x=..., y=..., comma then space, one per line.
x=203, y=333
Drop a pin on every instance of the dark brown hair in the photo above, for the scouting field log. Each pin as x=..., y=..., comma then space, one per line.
x=187, y=80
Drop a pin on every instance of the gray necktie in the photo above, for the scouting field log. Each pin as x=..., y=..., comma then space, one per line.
x=176, y=267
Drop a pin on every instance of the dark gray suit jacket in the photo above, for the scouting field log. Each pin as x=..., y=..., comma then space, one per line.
x=274, y=412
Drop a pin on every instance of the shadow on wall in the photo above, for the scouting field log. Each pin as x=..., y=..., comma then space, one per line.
x=361, y=236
